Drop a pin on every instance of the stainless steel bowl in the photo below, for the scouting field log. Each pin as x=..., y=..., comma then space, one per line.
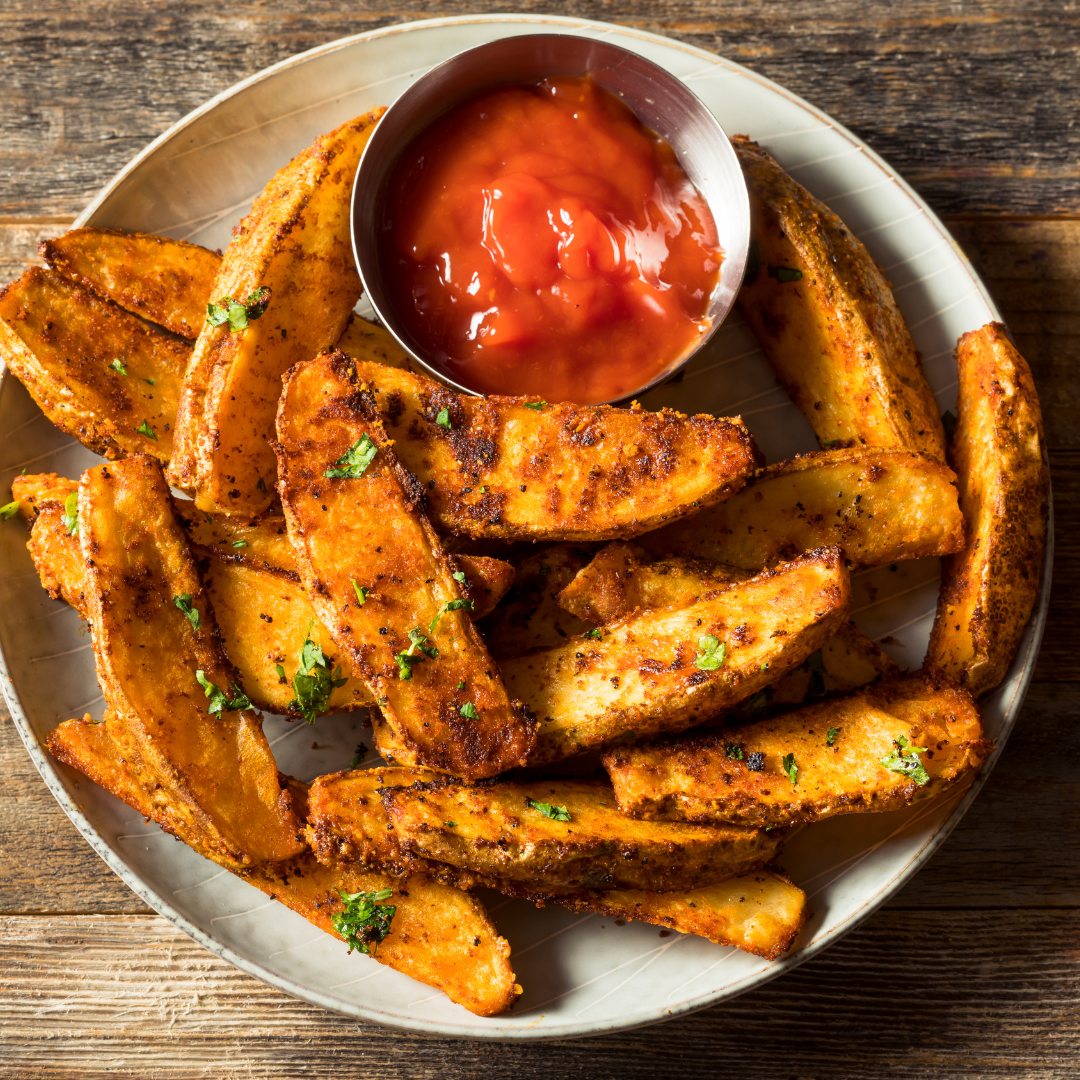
x=660, y=100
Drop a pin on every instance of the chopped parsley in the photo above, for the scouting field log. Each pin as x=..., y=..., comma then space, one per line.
x=8, y=511
x=119, y=365
x=790, y=768
x=734, y=752
x=948, y=419
x=468, y=710
x=908, y=762
x=71, y=513
x=358, y=757
x=830, y=738
x=450, y=824
x=450, y=605
x=150, y=381
x=313, y=682
x=785, y=273
x=261, y=485
x=145, y=429
x=535, y=405
x=354, y=462
x=406, y=660
x=461, y=685
x=594, y=633
x=362, y=592
x=219, y=700
x=183, y=602
x=443, y=419
x=711, y=653
x=365, y=920
x=236, y=313
x=460, y=578
x=239, y=544
x=556, y=813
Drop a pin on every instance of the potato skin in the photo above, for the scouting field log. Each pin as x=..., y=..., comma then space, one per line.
x=834, y=337
x=702, y=778
x=878, y=505
x=998, y=450
x=490, y=829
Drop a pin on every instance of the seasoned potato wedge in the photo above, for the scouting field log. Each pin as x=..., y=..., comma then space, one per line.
x=153, y=633
x=505, y=830
x=761, y=912
x=505, y=468
x=166, y=281
x=295, y=242
x=848, y=756
x=530, y=617
x=879, y=506
x=369, y=342
x=96, y=372
x=667, y=670
x=438, y=935
x=360, y=528
x=827, y=321
x=999, y=453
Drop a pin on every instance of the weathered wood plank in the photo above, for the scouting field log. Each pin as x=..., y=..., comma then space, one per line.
x=972, y=104
x=907, y=995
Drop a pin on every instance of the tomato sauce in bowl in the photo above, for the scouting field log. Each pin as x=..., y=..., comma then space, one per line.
x=540, y=240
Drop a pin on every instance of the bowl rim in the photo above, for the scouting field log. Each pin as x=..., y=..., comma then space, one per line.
x=1030, y=645
x=377, y=163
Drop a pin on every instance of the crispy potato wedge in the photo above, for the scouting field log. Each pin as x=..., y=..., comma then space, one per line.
x=622, y=580
x=56, y=552
x=760, y=913
x=443, y=703
x=879, y=506
x=645, y=674
x=738, y=775
x=497, y=830
x=510, y=469
x=827, y=321
x=60, y=340
x=296, y=243
x=988, y=591
x=216, y=773
x=530, y=617
x=166, y=281
x=369, y=342
x=439, y=935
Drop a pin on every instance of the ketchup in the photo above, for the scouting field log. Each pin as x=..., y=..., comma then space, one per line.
x=539, y=240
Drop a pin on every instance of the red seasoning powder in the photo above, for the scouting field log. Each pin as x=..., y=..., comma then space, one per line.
x=540, y=240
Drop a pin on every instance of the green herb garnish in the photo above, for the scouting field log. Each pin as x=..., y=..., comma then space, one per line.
x=237, y=314
x=365, y=920
x=358, y=757
x=443, y=419
x=313, y=682
x=556, y=813
x=239, y=544
x=71, y=513
x=119, y=365
x=468, y=710
x=711, y=653
x=362, y=592
x=183, y=602
x=450, y=605
x=594, y=633
x=8, y=511
x=219, y=700
x=785, y=273
x=406, y=660
x=830, y=738
x=535, y=405
x=450, y=824
x=150, y=381
x=734, y=752
x=354, y=462
x=460, y=578
x=908, y=762
x=790, y=768
x=261, y=485
x=145, y=429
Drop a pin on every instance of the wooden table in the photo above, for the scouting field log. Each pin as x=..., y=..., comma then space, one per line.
x=974, y=969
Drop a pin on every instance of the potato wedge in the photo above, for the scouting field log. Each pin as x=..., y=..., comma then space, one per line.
x=506, y=831
x=166, y=281
x=653, y=672
x=355, y=524
x=879, y=506
x=296, y=243
x=839, y=749
x=760, y=913
x=262, y=611
x=827, y=321
x=530, y=617
x=96, y=372
x=988, y=591
x=438, y=935
x=506, y=468
x=216, y=772
x=369, y=342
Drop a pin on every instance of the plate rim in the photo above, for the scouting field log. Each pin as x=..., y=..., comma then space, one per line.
x=1033, y=634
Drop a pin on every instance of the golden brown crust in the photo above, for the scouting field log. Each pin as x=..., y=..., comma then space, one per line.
x=998, y=450
x=60, y=340
x=166, y=281
x=879, y=506
x=296, y=242
x=712, y=777
x=491, y=829
x=505, y=469
x=834, y=335
x=216, y=772
x=392, y=550
x=642, y=677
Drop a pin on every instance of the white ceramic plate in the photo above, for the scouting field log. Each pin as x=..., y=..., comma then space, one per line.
x=582, y=975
